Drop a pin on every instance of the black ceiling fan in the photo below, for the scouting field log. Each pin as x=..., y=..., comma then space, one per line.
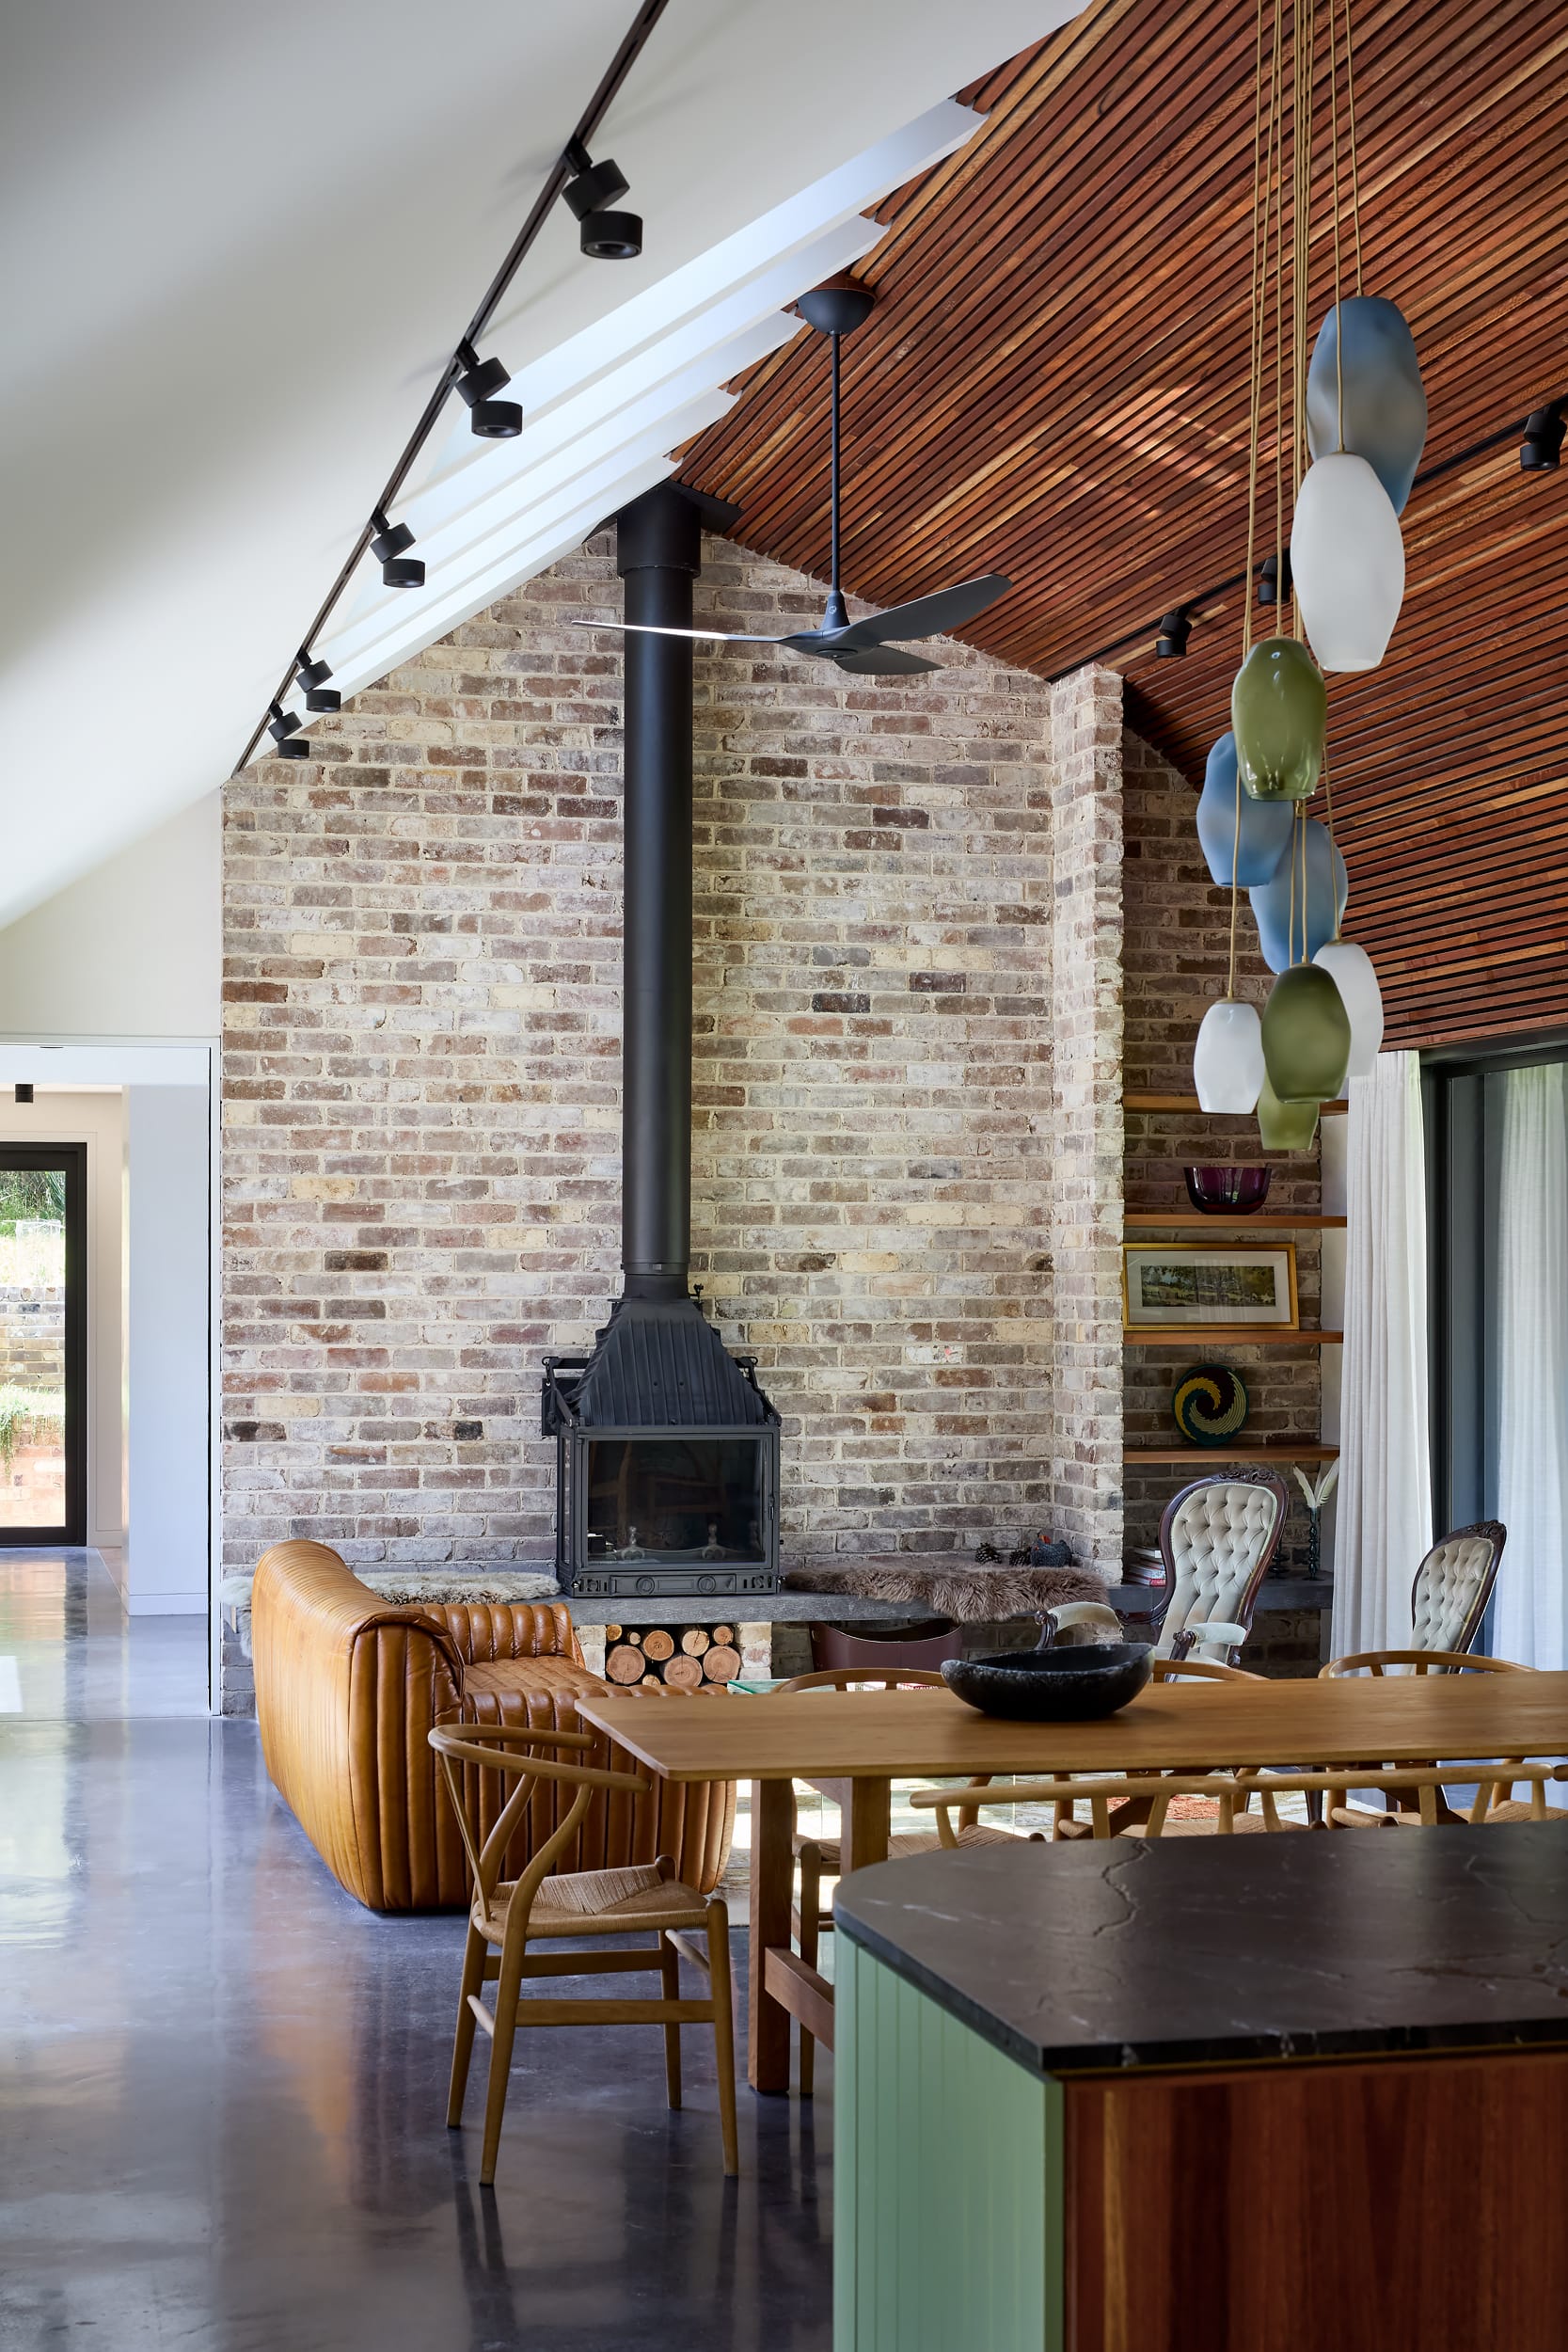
x=867, y=648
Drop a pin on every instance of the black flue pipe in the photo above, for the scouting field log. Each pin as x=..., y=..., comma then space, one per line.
x=658, y=554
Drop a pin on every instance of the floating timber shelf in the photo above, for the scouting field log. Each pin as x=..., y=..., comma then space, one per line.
x=1233, y=1335
x=1193, y=1221
x=1283, y=1454
x=1190, y=1103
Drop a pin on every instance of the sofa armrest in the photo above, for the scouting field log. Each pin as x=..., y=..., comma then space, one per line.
x=347, y=1687
x=486, y=1632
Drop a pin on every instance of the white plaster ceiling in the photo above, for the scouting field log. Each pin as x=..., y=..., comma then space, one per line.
x=236, y=245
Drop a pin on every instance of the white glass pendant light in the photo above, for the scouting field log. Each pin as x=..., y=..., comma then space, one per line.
x=1349, y=967
x=1347, y=561
x=1227, y=1060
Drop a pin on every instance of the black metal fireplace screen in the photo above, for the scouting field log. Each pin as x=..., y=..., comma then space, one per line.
x=643, y=1510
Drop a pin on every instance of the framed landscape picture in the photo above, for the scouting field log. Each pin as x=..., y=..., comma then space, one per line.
x=1181, y=1286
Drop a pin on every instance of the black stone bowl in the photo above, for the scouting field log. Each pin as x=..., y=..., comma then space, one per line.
x=1052, y=1686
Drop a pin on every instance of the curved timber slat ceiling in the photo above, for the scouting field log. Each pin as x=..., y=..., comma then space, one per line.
x=1054, y=385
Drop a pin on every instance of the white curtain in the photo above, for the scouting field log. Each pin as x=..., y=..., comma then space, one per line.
x=1532, y=1604
x=1384, y=1517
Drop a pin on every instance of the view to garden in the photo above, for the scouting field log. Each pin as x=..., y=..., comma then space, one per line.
x=32, y=1347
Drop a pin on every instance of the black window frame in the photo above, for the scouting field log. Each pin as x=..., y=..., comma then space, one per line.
x=1462, y=1164
x=73, y=1159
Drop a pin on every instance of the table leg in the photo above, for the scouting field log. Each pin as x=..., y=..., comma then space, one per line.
x=772, y=1890
x=868, y=1824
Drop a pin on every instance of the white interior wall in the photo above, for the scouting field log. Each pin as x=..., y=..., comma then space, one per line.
x=62, y=1115
x=134, y=949
x=168, y=1353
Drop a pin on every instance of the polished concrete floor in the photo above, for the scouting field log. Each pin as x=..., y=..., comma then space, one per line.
x=222, y=2083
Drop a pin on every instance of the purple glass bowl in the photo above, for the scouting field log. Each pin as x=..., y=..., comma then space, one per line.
x=1228, y=1191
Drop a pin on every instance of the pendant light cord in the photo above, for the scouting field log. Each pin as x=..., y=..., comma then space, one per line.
x=1298, y=833
x=1254, y=380
x=1277, y=146
x=1339, y=307
x=1333, y=862
x=1355, y=167
x=1255, y=402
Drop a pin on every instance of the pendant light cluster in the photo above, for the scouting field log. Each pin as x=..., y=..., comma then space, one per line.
x=1350, y=427
x=592, y=192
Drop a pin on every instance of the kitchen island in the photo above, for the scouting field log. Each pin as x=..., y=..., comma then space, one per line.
x=1297, y=2094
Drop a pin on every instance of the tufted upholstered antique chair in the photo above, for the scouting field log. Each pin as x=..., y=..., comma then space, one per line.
x=1453, y=1585
x=1216, y=1539
x=1447, y=1602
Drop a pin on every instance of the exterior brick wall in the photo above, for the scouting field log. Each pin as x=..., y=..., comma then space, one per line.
x=32, y=1337
x=1177, y=934
x=421, y=1067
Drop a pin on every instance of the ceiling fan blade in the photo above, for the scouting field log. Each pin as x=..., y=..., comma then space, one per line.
x=658, y=628
x=883, y=662
x=927, y=616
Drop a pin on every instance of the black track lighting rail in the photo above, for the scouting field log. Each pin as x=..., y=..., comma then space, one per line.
x=1191, y=607
x=565, y=168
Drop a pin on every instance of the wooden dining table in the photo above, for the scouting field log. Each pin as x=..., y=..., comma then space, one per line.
x=858, y=1742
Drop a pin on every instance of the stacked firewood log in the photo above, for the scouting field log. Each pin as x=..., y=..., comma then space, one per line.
x=683, y=1657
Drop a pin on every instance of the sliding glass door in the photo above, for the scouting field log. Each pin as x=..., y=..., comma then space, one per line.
x=43, y=1484
x=1497, y=1146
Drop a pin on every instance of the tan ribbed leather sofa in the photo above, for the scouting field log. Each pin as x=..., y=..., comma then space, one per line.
x=347, y=1685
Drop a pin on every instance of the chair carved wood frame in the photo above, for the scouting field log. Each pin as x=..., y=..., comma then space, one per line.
x=1225, y=1593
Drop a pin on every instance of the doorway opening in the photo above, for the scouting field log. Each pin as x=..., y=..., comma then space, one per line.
x=44, y=1344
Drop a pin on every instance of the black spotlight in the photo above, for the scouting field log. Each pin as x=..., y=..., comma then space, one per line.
x=1174, y=630
x=1268, y=580
x=23, y=1094
x=283, y=727
x=492, y=419
x=606, y=235
x=311, y=675
x=1540, y=451
x=398, y=569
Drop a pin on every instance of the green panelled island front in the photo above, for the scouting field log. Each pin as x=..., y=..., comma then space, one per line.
x=947, y=2179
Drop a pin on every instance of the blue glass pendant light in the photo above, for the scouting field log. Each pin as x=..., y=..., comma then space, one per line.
x=1385, y=402
x=1241, y=839
x=1327, y=888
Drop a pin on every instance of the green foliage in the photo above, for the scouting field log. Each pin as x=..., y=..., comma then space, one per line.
x=22, y=1411
x=31, y=1192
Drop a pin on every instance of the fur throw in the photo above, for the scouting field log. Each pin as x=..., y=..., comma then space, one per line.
x=471, y=1586
x=970, y=1596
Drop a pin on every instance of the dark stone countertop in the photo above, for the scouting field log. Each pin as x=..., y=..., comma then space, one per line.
x=1210, y=1951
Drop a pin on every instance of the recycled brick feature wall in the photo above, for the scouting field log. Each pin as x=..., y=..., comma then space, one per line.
x=1086, y=1028
x=1178, y=933
x=422, y=1070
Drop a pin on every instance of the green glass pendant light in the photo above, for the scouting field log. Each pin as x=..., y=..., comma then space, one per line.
x=1306, y=1035
x=1306, y=1031
x=1278, y=712
x=1285, y=1126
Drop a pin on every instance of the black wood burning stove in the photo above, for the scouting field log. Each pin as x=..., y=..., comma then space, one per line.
x=666, y=1450
x=667, y=1459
